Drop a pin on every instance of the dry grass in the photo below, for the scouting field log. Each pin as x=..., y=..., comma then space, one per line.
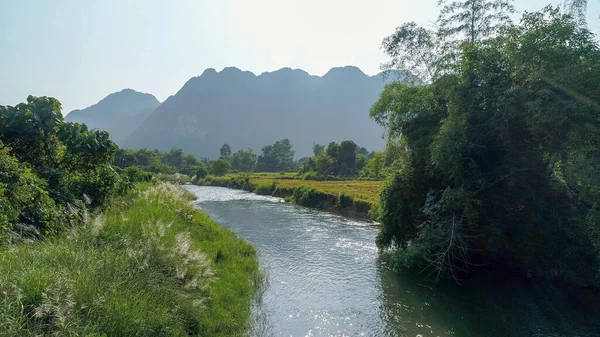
x=356, y=189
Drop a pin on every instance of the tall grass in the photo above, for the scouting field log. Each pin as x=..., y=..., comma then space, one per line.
x=151, y=265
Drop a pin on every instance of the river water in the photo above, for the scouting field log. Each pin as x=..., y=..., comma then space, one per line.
x=324, y=277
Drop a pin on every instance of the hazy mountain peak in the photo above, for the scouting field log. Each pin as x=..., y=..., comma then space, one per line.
x=347, y=71
x=248, y=111
x=118, y=113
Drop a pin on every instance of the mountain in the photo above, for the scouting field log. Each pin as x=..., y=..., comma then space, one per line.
x=119, y=113
x=245, y=110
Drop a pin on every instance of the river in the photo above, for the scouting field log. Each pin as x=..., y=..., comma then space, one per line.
x=324, y=277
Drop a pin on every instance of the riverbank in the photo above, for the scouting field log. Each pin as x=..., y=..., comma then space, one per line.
x=150, y=265
x=355, y=198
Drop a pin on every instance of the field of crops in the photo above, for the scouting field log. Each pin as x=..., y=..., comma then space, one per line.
x=357, y=189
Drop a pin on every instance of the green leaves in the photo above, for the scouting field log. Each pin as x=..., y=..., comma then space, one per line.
x=501, y=151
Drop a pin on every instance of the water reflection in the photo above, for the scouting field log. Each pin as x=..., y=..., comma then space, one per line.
x=491, y=307
x=324, y=277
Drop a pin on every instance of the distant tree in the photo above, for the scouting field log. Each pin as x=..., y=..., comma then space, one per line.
x=125, y=158
x=361, y=150
x=174, y=157
x=190, y=160
x=323, y=162
x=276, y=157
x=346, y=158
x=201, y=171
x=318, y=148
x=332, y=150
x=244, y=160
x=374, y=166
x=220, y=166
x=225, y=151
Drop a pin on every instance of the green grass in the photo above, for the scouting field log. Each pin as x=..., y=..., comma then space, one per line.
x=151, y=265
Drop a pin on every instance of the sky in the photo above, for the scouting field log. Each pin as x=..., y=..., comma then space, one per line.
x=79, y=51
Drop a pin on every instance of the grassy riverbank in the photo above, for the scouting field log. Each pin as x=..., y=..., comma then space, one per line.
x=354, y=197
x=150, y=265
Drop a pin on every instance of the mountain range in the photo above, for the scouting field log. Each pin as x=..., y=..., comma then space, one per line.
x=246, y=111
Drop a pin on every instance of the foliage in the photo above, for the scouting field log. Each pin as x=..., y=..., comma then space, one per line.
x=318, y=149
x=51, y=166
x=244, y=160
x=225, y=151
x=201, y=172
x=220, y=166
x=277, y=157
x=374, y=167
x=135, y=174
x=158, y=162
x=491, y=164
x=150, y=265
x=25, y=206
x=429, y=54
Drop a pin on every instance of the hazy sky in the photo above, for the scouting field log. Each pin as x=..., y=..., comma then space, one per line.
x=79, y=51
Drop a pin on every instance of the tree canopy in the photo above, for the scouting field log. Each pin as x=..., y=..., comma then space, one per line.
x=501, y=150
x=277, y=157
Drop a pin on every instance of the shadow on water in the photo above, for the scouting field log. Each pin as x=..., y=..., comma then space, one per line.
x=497, y=304
x=321, y=275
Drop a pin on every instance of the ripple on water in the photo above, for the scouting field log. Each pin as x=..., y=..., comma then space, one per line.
x=324, y=278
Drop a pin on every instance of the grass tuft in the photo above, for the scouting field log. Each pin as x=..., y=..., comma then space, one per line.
x=150, y=265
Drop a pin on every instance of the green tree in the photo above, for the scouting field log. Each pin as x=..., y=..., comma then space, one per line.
x=175, y=157
x=374, y=166
x=318, y=148
x=332, y=150
x=346, y=158
x=201, y=172
x=244, y=160
x=225, y=151
x=220, y=166
x=276, y=157
x=493, y=159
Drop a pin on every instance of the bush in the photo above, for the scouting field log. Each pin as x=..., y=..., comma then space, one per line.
x=135, y=174
x=220, y=166
x=201, y=172
x=25, y=207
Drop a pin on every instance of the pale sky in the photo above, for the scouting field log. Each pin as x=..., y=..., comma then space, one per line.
x=79, y=51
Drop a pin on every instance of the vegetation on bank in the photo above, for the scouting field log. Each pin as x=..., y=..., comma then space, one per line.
x=149, y=265
x=94, y=246
x=52, y=171
x=501, y=162
x=355, y=197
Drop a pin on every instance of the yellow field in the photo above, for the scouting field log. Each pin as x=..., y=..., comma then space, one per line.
x=357, y=189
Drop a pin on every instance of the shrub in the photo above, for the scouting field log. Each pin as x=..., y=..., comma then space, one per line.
x=136, y=174
x=25, y=206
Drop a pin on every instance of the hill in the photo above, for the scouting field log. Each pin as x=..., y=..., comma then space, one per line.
x=245, y=110
x=119, y=113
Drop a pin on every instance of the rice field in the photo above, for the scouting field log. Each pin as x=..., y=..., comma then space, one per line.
x=362, y=190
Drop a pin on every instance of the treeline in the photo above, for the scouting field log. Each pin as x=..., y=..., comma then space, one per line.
x=345, y=160
x=501, y=158
x=51, y=171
